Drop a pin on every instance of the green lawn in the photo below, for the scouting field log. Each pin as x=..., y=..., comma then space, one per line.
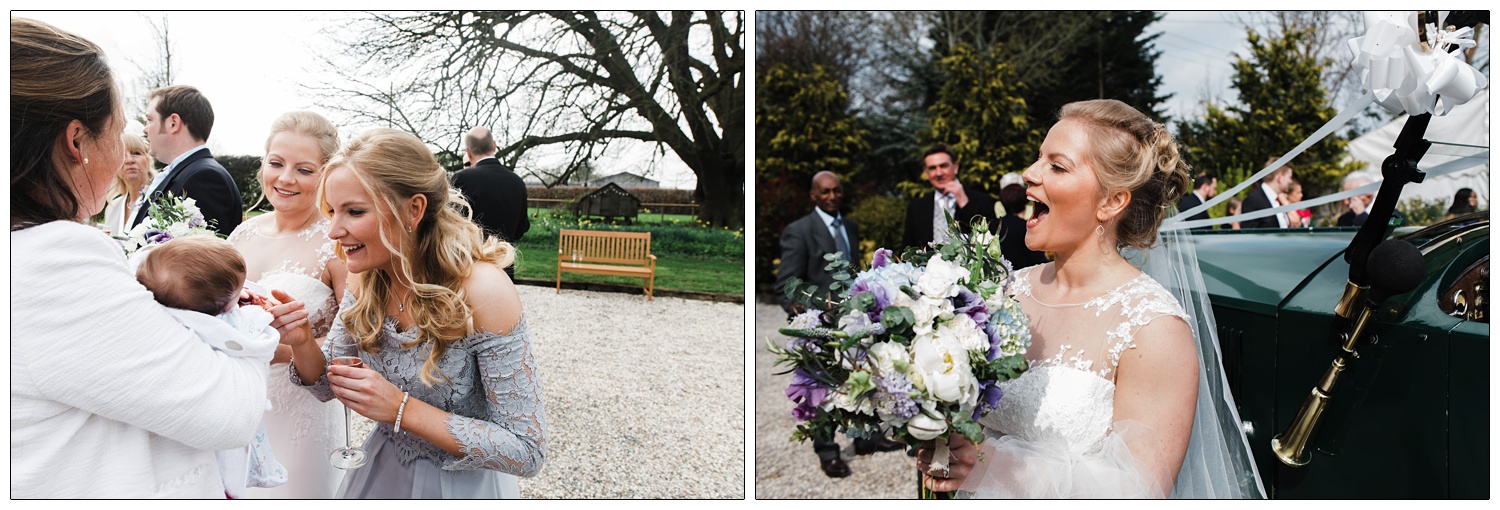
x=704, y=275
x=689, y=256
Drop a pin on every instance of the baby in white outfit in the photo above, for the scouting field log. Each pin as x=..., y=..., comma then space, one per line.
x=201, y=279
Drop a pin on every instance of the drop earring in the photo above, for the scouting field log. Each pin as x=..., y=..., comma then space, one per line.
x=1099, y=229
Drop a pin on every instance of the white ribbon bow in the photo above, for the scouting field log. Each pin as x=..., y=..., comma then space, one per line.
x=1405, y=76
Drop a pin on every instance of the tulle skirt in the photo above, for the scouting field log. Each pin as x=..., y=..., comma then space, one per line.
x=1014, y=468
x=383, y=477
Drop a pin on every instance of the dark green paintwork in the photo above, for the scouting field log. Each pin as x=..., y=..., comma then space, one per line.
x=1410, y=417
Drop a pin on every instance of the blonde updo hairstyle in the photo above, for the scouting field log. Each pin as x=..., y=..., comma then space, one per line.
x=437, y=255
x=303, y=123
x=1132, y=152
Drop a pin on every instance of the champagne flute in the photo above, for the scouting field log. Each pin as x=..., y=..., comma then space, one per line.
x=347, y=456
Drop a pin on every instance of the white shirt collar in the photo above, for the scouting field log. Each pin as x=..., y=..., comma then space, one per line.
x=497, y=160
x=1270, y=193
x=827, y=218
x=183, y=156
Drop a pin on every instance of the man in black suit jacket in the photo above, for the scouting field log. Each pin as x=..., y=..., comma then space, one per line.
x=1265, y=197
x=496, y=194
x=964, y=202
x=1204, y=188
x=178, y=121
x=803, y=244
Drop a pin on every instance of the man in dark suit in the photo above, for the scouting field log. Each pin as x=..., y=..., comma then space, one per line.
x=803, y=244
x=178, y=121
x=925, y=215
x=1204, y=188
x=1266, y=196
x=494, y=191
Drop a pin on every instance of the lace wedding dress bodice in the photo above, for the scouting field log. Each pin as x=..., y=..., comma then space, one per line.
x=302, y=429
x=1067, y=395
x=1054, y=433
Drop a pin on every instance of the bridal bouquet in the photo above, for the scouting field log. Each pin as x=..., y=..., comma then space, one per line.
x=914, y=347
x=169, y=217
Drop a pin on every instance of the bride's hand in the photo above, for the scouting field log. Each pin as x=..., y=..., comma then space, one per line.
x=962, y=456
x=290, y=319
x=365, y=391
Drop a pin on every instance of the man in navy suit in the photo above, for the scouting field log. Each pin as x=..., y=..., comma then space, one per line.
x=926, y=214
x=803, y=244
x=494, y=191
x=1204, y=188
x=178, y=120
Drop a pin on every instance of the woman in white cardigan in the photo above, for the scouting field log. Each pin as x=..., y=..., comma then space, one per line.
x=110, y=397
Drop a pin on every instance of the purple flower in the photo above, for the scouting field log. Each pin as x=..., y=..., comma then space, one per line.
x=882, y=257
x=895, y=397
x=808, y=393
x=155, y=236
x=811, y=345
x=967, y=302
x=989, y=397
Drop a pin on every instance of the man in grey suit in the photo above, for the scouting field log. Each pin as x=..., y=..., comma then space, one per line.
x=803, y=244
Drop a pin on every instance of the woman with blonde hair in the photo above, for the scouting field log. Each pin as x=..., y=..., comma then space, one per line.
x=289, y=249
x=447, y=368
x=1120, y=400
x=130, y=184
x=110, y=396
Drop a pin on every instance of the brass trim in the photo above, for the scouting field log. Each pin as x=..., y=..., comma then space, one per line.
x=1348, y=303
x=1291, y=448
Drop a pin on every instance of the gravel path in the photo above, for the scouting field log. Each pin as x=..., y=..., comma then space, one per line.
x=785, y=469
x=644, y=399
x=622, y=420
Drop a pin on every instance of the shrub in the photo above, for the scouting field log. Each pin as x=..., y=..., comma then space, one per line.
x=1420, y=213
x=880, y=219
x=243, y=169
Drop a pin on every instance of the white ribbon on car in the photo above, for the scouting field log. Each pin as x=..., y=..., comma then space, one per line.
x=1400, y=74
x=1457, y=165
x=1410, y=76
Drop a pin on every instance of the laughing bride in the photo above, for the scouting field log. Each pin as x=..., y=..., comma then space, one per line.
x=1115, y=404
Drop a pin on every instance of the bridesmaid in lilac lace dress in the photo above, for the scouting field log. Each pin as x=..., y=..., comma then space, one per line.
x=449, y=375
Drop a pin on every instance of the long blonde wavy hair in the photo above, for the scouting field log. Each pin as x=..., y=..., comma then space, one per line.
x=436, y=256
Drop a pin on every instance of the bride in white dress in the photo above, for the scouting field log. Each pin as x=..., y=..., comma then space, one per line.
x=1112, y=396
x=289, y=249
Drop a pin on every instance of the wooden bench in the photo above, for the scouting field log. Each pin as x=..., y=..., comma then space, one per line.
x=607, y=253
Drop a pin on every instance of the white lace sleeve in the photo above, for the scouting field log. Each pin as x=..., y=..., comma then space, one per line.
x=513, y=437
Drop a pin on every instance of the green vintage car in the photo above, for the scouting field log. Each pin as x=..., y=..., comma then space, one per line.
x=1409, y=416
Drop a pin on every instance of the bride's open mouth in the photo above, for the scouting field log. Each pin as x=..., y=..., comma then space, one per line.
x=1038, y=212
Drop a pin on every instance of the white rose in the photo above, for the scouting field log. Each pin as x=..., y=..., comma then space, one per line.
x=938, y=279
x=888, y=355
x=944, y=365
x=928, y=311
x=963, y=330
x=926, y=428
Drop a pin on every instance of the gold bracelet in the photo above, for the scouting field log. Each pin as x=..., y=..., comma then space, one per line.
x=402, y=409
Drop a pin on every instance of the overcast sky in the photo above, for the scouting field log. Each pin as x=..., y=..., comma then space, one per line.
x=250, y=64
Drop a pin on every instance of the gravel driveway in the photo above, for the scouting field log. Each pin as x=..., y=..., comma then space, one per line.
x=623, y=419
x=644, y=399
x=784, y=469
